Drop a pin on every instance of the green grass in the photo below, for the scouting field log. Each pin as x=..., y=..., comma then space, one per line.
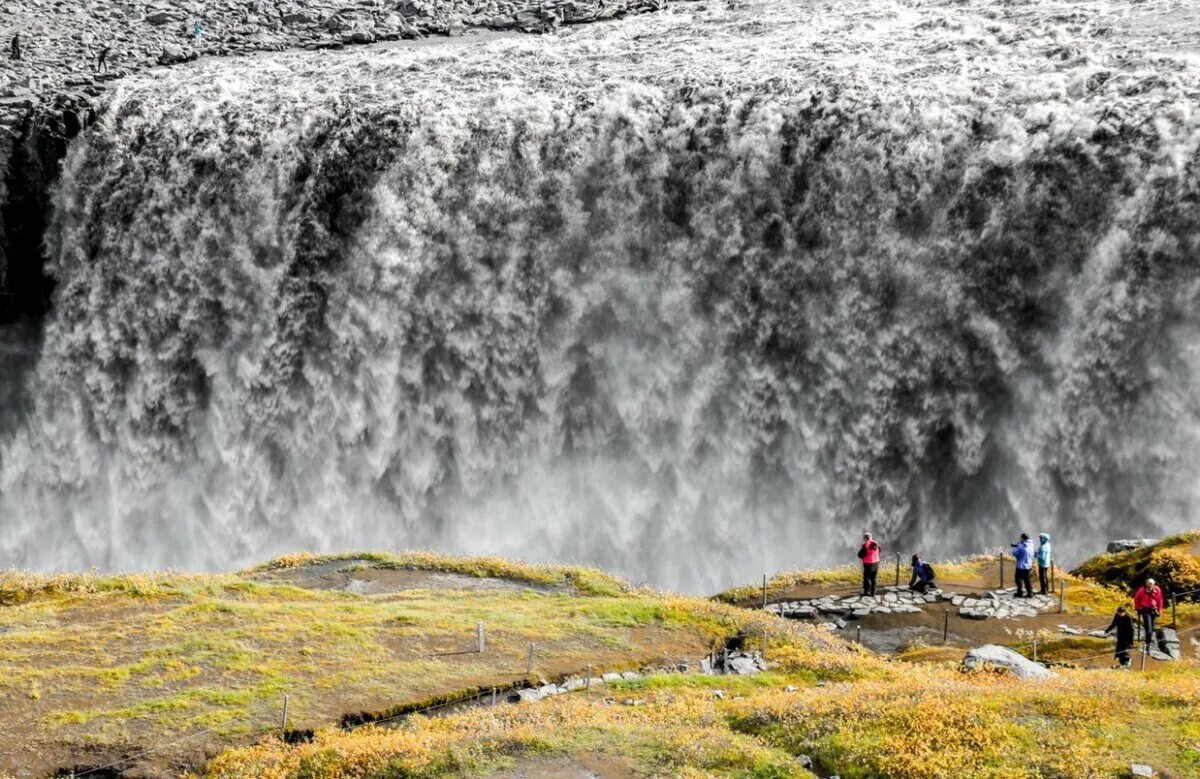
x=112, y=660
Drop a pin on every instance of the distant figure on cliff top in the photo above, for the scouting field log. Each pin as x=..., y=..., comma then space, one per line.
x=1023, y=554
x=16, y=46
x=869, y=554
x=1043, y=561
x=102, y=60
x=1123, y=624
x=922, y=576
x=198, y=31
x=1148, y=601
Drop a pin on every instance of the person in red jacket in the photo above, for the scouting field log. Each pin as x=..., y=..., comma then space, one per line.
x=869, y=554
x=1148, y=601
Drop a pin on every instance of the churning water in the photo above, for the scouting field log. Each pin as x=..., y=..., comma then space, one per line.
x=693, y=295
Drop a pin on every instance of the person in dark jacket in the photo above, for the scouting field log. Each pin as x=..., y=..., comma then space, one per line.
x=1123, y=624
x=1023, y=554
x=922, y=576
x=16, y=46
x=869, y=553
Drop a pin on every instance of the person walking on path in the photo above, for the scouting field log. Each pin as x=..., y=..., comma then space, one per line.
x=1023, y=554
x=1148, y=601
x=869, y=553
x=198, y=31
x=1043, y=561
x=16, y=46
x=1123, y=624
x=922, y=576
x=102, y=60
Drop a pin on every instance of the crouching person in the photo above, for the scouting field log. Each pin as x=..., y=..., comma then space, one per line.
x=922, y=576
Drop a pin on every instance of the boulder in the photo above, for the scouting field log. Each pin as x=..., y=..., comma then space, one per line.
x=173, y=54
x=1140, y=769
x=1168, y=644
x=1126, y=544
x=993, y=656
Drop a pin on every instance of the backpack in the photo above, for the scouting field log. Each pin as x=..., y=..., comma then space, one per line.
x=929, y=574
x=862, y=551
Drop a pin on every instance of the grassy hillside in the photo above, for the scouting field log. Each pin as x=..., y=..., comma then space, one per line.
x=856, y=715
x=1174, y=562
x=94, y=669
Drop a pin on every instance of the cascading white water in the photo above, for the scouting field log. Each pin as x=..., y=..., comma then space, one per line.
x=692, y=296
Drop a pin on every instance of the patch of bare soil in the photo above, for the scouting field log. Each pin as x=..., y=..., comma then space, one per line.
x=579, y=766
x=358, y=577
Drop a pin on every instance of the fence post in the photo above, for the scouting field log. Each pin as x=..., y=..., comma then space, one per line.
x=897, y=569
x=764, y=592
x=1145, y=651
x=1062, y=596
x=283, y=722
x=858, y=635
x=945, y=626
x=479, y=636
x=1035, y=650
x=587, y=685
x=1002, y=570
x=529, y=665
x=764, y=649
x=493, y=696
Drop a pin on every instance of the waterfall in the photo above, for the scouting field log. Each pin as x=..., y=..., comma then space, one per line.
x=692, y=297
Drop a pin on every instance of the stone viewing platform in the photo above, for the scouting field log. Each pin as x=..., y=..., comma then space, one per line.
x=989, y=604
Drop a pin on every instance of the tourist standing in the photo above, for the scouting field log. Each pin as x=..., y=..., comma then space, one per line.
x=1148, y=601
x=198, y=31
x=869, y=553
x=1043, y=562
x=1123, y=624
x=102, y=60
x=1023, y=554
x=16, y=46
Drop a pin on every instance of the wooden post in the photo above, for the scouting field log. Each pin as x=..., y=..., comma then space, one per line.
x=764, y=592
x=529, y=665
x=283, y=722
x=1145, y=651
x=479, y=636
x=897, y=569
x=1035, y=650
x=858, y=635
x=1002, y=570
x=945, y=626
x=587, y=685
x=766, y=633
x=493, y=696
x=1062, y=596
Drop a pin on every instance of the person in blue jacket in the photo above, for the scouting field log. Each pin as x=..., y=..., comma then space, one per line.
x=1043, y=561
x=1023, y=554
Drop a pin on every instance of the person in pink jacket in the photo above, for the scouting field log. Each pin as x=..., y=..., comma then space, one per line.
x=869, y=554
x=1148, y=601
